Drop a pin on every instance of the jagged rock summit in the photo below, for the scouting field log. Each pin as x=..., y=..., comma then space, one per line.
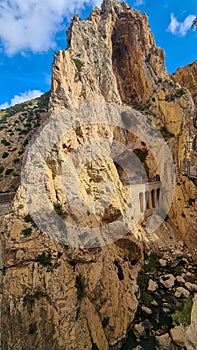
x=102, y=55
x=108, y=5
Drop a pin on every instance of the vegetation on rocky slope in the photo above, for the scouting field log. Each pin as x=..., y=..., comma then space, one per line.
x=17, y=125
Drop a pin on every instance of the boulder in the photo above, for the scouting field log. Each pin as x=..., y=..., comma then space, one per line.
x=146, y=310
x=182, y=292
x=152, y=286
x=192, y=287
x=163, y=342
x=180, y=280
x=162, y=262
x=139, y=330
x=177, y=335
x=167, y=281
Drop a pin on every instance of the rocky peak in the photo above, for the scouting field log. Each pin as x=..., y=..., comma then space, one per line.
x=114, y=51
x=187, y=77
x=109, y=5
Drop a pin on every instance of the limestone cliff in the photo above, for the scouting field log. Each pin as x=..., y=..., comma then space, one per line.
x=112, y=56
x=187, y=76
x=17, y=125
x=58, y=297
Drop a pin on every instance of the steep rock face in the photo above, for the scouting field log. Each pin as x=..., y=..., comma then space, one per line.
x=70, y=300
x=187, y=76
x=137, y=61
x=116, y=36
x=191, y=333
x=62, y=298
x=112, y=56
x=17, y=125
x=84, y=71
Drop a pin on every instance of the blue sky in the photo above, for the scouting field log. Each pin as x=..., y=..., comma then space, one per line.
x=31, y=30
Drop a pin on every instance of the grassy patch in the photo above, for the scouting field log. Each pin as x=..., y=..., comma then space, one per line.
x=78, y=63
x=5, y=155
x=59, y=210
x=184, y=315
x=17, y=160
x=153, y=263
x=179, y=92
x=5, y=142
x=9, y=171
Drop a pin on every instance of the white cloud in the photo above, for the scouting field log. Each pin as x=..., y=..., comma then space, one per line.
x=32, y=24
x=180, y=28
x=139, y=2
x=4, y=105
x=25, y=96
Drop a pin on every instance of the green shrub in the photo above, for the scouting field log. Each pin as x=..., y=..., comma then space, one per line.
x=59, y=210
x=184, y=315
x=23, y=132
x=170, y=98
x=8, y=112
x=180, y=92
x=9, y=171
x=80, y=285
x=78, y=63
x=17, y=160
x=5, y=142
x=5, y=155
x=1, y=169
x=177, y=94
x=27, y=125
x=153, y=263
x=139, y=106
x=25, y=143
x=43, y=100
x=44, y=259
